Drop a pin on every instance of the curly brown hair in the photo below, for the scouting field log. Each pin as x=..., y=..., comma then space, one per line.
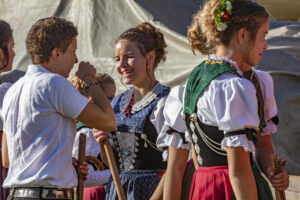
x=5, y=37
x=203, y=35
x=47, y=34
x=104, y=78
x=148, y=38
x=79, y=84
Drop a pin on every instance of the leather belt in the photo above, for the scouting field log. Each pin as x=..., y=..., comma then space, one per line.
x=41, y=193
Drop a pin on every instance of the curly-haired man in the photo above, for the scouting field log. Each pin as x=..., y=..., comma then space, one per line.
x=39, y=113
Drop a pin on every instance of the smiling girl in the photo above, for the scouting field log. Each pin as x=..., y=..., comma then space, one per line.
x=138, y=111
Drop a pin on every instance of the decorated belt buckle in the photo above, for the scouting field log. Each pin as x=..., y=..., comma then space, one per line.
x=193, y=117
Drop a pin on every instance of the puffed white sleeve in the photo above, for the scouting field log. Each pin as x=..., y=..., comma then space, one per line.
x=232, y=105
x=173, y=131
x=270, y=107
x=158, y=120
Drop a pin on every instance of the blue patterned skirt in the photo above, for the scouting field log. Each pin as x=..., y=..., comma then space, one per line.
x=137, y=184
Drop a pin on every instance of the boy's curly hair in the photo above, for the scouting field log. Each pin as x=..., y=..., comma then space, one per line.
x=47, y=34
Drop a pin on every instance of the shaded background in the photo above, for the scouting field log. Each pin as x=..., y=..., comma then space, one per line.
x=100, y=22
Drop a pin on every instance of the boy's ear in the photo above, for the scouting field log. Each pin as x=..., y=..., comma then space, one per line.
x=55, y=53
x=243, y=36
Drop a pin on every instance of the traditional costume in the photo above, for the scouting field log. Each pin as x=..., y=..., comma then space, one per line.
x=223, y=109
x=138, y=158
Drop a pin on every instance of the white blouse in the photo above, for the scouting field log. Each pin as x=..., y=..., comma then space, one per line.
x=174, y=119
x=230, y=103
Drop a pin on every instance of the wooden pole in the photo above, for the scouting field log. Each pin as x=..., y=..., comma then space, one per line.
x=113, y=169
x=277, y=166
x=81, y=158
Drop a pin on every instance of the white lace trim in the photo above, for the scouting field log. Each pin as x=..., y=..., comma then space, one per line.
x=270, y=128
x=238, y=141
x=125, y=99
x=139, y=105
x=175, y=140
x=233, y=63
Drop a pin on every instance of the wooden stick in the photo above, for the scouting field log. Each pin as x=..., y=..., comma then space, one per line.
x=277, y=166
x=95, y=161
x=113, y=169
x=103, y=155
x=81, y=158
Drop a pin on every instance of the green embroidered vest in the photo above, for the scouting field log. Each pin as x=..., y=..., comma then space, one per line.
x=201, y=77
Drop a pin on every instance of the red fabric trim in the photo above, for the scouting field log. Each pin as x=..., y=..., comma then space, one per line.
x=128, y=109
x=161, y=173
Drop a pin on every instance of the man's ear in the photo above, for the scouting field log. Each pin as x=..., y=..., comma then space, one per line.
x=55, y=53
x=243, y=36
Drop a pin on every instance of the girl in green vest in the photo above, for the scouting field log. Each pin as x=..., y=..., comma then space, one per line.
x=229, y=118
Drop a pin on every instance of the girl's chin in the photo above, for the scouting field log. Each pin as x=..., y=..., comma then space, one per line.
x=127, y=81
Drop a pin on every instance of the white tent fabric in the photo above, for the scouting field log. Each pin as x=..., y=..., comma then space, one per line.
x=100, y=22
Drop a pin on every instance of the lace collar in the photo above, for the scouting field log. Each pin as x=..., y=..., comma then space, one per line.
x=137, y=106
x=233, y=63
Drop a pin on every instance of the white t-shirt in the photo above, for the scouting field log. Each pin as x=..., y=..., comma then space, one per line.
x=38, y=113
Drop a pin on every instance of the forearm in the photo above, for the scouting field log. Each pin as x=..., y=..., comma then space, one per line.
x=174, y=175
x=173, y=184
x=243, y=185
x=98, y=114
x=98, y=96
x=194, y=158
x=263, y=157
x=158, y=193
x=4, y=151
x=264, y=150
x=240, y=174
